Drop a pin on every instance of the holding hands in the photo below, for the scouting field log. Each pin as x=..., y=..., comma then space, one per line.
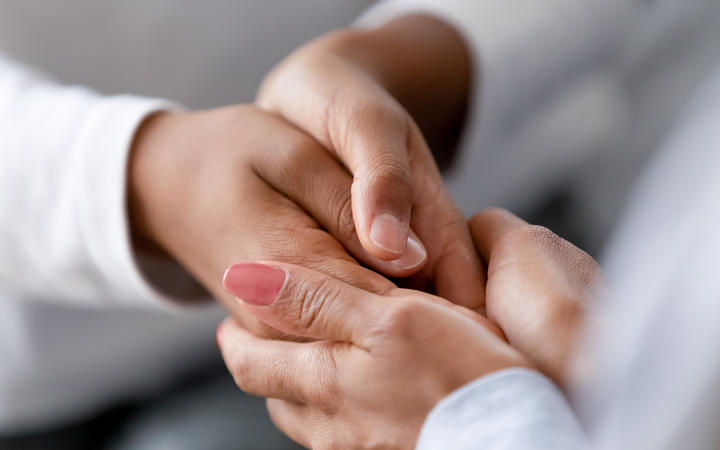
x=330, y=174
x=381, y=361
x=367, y=106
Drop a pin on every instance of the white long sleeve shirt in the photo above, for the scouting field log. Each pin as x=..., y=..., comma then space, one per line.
x=80, y=326
x=74, y=307
x=652, y=356
x=650, y=369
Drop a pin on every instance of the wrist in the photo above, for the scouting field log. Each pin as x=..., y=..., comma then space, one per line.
x=143, y=181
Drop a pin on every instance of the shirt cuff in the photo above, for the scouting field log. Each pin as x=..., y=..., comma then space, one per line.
x=104, y=144
x=510, y=409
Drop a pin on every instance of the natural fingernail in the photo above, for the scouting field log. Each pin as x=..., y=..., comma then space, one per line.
x=415, y=254
x=387, y=233
x=254, y=283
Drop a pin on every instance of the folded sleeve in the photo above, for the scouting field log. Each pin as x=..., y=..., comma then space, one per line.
x=64, y=230
x=508, y=410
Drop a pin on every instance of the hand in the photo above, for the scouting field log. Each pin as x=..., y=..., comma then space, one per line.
x=214, y=187
x=538, y=287
x=381, y=363
x=352, y=93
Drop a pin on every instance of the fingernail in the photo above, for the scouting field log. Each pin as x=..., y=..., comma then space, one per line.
x=386, y=232
x=254, y=283
x=415, y=254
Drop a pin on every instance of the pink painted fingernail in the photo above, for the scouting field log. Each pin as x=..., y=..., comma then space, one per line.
x=254, y=283
x=387, y=233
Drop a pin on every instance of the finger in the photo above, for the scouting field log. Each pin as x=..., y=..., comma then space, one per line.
x=281, y=231
x=458, y=272
x=284, y=232
x=304, y=302
x=462, y=310
x=278, y=369
x=489, y=226
x=306, y=173
x=375, y=150
x=367, y=129
x=293, y=419
x=453, y=263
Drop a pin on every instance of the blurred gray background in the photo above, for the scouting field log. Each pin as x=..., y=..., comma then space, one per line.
x=213, y=53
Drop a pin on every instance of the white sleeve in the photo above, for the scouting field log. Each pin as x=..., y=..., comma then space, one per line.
x=64, y=233
x=508, y=410
x=522, y=51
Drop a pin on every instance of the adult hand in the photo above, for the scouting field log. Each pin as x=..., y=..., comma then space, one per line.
x=379, y=366
x=352, y=92
x=214, y=187
x=538, y=287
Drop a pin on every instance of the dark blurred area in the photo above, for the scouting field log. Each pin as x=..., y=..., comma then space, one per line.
x=205, y=411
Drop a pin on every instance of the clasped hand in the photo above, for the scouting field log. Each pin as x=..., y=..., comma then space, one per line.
x=330, y=182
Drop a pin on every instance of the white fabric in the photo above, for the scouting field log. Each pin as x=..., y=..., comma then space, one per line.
x=648, y=375
x=71, y=320
x=507, y=410
x=63, y=207
x=80, y=328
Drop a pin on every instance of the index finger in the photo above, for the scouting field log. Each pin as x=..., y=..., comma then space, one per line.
x=489, y=226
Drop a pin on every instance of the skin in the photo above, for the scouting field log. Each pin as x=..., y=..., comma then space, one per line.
x=209, y=188
x=381, y=361
x=351, y=92
x=539, y=287
x=334, y=144
x=213, y=187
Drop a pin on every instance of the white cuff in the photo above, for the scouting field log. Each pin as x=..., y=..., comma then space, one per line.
x=509, y=409
x=103, y=144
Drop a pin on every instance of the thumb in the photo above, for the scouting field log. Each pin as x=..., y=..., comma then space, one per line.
x=301, y=301
x=376, y=153
x=367, y=129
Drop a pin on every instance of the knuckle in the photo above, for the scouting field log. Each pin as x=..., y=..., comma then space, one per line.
x=264, y=331
x=300, y=244
x=386, y=168
x=345, y=221
x=323, y=390
x=543, y=235
x=312, y=296
x=402, y=319
x=528, y=236
x=240, y=369
x=291, y=155
x=382, y=113
x=480, y=217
